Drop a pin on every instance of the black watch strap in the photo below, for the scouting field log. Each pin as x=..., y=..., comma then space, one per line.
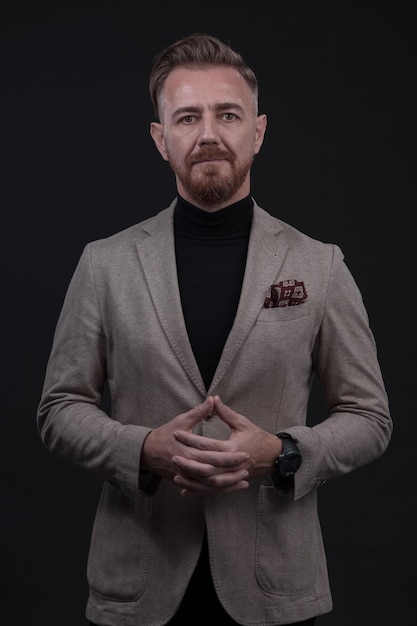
x=289, y=461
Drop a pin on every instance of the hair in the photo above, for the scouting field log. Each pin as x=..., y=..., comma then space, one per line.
x=198, y=49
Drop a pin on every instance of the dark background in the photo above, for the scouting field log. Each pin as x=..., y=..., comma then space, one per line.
x=337, y=82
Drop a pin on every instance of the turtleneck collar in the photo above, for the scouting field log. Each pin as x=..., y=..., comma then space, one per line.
x=233, y=221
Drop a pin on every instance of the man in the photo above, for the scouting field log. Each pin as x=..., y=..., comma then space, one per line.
x=208, y=322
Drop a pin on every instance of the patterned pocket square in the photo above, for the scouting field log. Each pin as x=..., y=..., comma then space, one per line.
x=285, y=293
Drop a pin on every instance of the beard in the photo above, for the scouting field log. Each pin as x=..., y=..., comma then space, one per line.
x=209, y=187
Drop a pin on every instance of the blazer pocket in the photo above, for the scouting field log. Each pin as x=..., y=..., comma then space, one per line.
x=118, y=561
x=287, y=543
x=283, y=313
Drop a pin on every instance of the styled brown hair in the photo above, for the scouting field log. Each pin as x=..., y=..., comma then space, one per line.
x=194, y=50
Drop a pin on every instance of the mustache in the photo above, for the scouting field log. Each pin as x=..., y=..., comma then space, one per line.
x=210, y=153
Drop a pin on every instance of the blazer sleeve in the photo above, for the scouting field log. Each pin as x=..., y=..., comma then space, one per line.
x=70, y=418
x=358, y=425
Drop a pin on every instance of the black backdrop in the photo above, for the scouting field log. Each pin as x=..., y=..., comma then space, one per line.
x=337, y=82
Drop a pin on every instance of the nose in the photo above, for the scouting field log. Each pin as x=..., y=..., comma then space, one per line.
x=208, y=132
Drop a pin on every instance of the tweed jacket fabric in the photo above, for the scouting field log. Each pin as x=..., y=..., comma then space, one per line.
x=122, y=322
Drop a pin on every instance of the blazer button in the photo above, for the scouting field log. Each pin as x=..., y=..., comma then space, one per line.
x=210, y=417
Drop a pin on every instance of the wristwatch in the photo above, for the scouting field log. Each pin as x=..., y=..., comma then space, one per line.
x=290, y=458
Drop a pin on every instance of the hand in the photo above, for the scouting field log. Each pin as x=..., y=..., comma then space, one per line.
x=260, y=447
x=162, y=449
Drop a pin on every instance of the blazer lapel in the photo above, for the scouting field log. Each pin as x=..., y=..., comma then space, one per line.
x=266, y=253
x=157, y=256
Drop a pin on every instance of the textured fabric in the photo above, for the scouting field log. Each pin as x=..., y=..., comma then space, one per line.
x=201, y=596
x=122, y=323
x=224, y=620
x=182, y=619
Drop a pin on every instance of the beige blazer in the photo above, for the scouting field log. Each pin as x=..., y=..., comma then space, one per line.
x=122, y=322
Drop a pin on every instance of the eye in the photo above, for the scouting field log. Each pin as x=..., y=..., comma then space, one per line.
x=187, y=119
x=229, y=117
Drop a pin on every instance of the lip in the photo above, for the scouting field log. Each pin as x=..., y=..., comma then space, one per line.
x=218, y=160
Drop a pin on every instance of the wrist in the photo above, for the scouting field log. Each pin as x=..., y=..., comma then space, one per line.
x=274, y=452
x=146, y=453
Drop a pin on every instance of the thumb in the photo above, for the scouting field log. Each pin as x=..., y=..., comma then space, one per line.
x=196, y=414
x=227, y=414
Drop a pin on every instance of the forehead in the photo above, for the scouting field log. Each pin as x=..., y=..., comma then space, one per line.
x=206, y=85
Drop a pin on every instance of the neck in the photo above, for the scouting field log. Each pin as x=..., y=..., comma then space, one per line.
x=243, y=192
x=231, y=221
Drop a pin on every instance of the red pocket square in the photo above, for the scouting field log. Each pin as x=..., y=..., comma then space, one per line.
x=285, y=293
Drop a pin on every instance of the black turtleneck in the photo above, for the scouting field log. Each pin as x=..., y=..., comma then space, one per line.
x=211, y=250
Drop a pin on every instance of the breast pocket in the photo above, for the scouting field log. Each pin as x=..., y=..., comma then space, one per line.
x=283, y=313
x=284, y=334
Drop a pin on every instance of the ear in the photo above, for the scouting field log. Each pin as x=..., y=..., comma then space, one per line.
x=260, y=129
x=157, y=134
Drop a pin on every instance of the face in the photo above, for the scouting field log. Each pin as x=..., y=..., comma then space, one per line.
x=209, y=133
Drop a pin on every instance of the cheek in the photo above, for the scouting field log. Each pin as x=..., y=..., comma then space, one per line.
x=246, y=142
x=178, y=147
x=246, y=148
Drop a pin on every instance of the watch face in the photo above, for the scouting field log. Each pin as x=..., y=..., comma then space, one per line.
x=289, y=463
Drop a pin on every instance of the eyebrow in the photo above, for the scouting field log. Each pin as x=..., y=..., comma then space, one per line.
x=224, y=106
